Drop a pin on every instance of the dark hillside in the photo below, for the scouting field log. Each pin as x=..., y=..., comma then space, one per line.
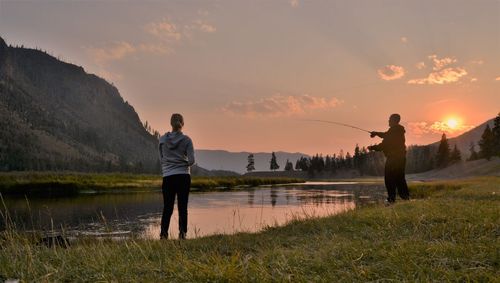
x=55, y=116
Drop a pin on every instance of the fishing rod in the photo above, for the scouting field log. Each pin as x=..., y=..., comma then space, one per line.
x=337, y=123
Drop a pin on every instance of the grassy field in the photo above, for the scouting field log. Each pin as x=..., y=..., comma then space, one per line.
x=449, y=232
x=73, y=183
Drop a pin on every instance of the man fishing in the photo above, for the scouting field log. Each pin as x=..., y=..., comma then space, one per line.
x=393, y=146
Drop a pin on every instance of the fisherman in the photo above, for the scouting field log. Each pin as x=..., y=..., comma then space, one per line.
x=393, y=146
x=176, y=157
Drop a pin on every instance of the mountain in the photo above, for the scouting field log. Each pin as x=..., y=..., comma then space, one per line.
x=464, y=140
x=237, y=161
x=55, y=116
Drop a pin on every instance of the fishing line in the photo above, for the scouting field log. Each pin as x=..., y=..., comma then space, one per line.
x=337, y=123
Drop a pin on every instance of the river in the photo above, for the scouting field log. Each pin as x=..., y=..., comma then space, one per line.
x=119, y=215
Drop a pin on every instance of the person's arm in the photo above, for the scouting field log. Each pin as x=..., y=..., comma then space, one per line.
x=159, y=150
x=379, y=134
x=190, y=153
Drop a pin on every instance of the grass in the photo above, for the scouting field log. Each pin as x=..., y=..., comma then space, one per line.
x=52, y=183
x=450, y=232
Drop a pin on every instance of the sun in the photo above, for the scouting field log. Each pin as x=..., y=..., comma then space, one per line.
x=452, y=123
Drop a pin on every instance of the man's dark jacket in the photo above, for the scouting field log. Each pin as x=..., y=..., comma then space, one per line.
x=393, y=143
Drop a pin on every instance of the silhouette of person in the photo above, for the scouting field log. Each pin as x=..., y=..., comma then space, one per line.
x=394, y=149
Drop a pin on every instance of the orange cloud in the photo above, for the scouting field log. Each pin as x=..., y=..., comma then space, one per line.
x=440, y=63
x=497, y=79
x=448, y=75
x=207, y=28
x=420, y=65
x=421, y=128
x=280, y=105
x=164, y=30
x=391, y=72
x=117, y=51
x=404, y=39
x=171, y=32
x=442, y=72
x=294, y=3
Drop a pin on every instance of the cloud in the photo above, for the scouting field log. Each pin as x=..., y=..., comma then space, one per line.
x=448, y=75
x=404, y=39
x=280, y=105
x=172, y=32
x=442, y=72
x=497, y=79
x=164, y=30
x=154, y=48
x=477, y=62
x=440, y=63
x=391, y=72
x=420, y=65
x=119, y=50
x=207, y=28
x=166, y=33
x=294, y=3
x=473, y=80
x=116, y=51
x=421, y=128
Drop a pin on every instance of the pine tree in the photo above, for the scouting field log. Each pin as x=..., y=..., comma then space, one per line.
x=456, y=156
x=496, y=134
x=473, y=153
x=288, y=166
x=356, y=159
x=251, y=163
x=443, y=154
x=273, y=163
x=487, y=143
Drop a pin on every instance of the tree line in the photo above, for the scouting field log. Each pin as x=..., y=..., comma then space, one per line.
x=418, y=158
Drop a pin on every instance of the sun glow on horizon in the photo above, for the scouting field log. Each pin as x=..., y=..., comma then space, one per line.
x=453, y=123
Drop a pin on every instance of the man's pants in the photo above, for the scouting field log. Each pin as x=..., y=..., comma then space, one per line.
x=175, y=185
x=395, y=179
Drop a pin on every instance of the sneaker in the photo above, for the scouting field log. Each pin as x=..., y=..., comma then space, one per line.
x=182, y=236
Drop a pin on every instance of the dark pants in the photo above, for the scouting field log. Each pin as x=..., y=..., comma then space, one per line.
x=395, y=179
x=175, y=185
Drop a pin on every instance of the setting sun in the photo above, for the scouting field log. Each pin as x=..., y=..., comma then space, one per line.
x=452, y=123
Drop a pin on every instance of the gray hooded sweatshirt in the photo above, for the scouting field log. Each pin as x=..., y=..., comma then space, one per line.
x=176, y=154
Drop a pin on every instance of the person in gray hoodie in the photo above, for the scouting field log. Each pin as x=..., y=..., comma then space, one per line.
x=176, y=158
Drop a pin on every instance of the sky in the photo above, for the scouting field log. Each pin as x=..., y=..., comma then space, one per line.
x=247, y=75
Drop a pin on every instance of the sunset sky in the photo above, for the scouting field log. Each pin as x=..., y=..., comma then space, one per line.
x=245, y=74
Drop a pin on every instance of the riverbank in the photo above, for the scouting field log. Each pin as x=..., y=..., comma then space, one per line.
x=53, y=184
x=449, y=232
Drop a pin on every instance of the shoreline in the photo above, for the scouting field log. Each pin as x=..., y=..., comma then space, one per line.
x=427, y=239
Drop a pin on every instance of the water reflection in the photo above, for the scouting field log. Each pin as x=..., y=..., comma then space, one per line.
x=246, y=210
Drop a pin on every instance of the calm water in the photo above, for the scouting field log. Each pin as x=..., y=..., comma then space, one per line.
x=138, y=214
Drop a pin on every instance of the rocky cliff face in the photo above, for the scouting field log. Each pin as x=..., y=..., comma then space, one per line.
x=55, y=116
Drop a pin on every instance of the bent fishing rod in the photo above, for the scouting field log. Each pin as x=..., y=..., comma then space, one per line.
x=337, y=123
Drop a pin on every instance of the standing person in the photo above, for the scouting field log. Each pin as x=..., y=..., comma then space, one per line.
x=176, y=158
x=393, y=146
